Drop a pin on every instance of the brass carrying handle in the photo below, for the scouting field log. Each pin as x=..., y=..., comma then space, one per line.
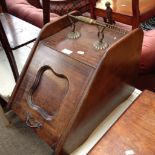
x=90, y=21
x=31, y=122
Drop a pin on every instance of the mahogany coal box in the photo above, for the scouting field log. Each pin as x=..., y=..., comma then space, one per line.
x=63, y=95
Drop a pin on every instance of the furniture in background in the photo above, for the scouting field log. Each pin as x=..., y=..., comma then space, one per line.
x=62, y=7
x=14, y=33
x=122, y=11
x=131, y=12
x=146, y=76
x=8, y=51
x=133, y=133
x=31, y=11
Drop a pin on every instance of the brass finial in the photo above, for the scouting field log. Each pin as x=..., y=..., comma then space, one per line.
x=107, y=4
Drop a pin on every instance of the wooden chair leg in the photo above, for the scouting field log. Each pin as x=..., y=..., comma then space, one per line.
x=135, y=25
x=3, y=102
x=8, y=52
x=3, y=117
x=135, y=22
x=92, y=7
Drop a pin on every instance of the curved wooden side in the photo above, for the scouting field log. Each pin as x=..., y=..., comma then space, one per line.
x=112, y=83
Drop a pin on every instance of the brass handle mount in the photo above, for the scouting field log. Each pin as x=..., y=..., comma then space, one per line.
x=31, y=122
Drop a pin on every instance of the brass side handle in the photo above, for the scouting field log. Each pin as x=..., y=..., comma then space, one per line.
x=31, y=122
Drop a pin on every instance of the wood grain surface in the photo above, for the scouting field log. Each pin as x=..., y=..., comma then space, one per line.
x=133, y=133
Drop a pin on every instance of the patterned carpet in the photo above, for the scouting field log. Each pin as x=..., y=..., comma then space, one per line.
x=149, y=24
x=18, y=139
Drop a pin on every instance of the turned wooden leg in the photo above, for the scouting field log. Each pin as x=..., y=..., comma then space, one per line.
x=8, y=51
x=92, y=8
x=3, y=117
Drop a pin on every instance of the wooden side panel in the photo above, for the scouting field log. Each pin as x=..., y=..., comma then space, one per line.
x=111, y=85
